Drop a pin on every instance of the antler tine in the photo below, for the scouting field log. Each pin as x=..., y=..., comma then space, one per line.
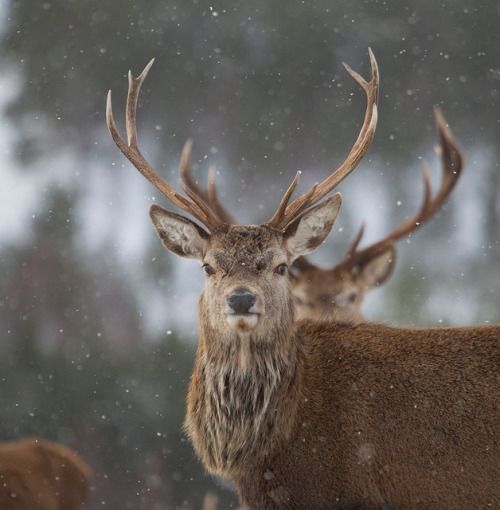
x=131, y=150
x=417, y=220
x=208, y=196
x=211, y=191
x=280, y=213
x=185, y=172
x=213, y=199
x=452, y=162
x=452, y=165
x=358, y=151
x=354, y=245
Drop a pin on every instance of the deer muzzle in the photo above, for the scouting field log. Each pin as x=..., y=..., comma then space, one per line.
x=242, y=309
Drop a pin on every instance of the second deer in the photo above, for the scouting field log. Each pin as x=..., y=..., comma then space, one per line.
x=337, y=293
x=36, y=474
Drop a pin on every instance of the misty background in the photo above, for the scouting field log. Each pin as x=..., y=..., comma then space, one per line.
x=97, y=321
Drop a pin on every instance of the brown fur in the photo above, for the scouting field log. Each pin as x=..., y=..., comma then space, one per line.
x=389, y=418
x=36, y=474
x=364, y=417
x=301, y=415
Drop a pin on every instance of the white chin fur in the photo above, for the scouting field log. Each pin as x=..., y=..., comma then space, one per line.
x=242, y=322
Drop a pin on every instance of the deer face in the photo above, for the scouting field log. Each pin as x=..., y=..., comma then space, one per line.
x=246, y=278
x=246, y=267
x=337, y=294
x=328, y=294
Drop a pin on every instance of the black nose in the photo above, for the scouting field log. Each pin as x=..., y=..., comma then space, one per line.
x=240, y=301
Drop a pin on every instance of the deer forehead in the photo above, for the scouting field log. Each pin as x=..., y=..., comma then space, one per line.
x=334, y=279
x=252, y=245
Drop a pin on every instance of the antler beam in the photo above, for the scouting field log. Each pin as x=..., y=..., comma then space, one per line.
x=287, y=213
x=193, y=205
x=452, y=165
x=204, y=205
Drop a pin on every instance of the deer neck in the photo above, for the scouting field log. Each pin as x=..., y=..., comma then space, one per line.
x=242, y=398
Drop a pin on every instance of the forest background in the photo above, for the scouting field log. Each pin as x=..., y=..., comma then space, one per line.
x=97, y=322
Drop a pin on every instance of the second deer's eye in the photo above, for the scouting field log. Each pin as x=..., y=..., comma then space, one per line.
x=352, y=297
x=209, y=270
x=281, y=269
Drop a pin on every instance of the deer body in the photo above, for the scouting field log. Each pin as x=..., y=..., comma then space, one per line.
x=316, y=415
x=36, y=474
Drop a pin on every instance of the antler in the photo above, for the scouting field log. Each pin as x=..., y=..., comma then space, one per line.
x=209, y=195
x=287, y=213
x=452, y=164
x=193, y=205
x=204, y=205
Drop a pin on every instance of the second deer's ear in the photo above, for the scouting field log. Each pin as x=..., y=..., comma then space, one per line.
x=376, y=270
x=299, y=266
x=179, y=234
x=310, y=229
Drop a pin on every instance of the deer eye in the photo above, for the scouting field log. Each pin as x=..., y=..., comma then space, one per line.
x=281, y=269
x=352, y=297
x=209, y=270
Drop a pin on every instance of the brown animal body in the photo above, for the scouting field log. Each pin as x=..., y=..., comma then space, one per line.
x=315, y=415
x=302, y=415
x=36, y=474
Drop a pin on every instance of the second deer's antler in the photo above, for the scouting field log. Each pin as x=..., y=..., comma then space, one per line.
x=452, y=164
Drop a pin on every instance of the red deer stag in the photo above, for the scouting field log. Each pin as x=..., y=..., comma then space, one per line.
x=337, y=294
x=36, y=474
x=299, y=414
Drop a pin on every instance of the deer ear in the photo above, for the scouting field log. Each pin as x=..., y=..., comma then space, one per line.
x=179, y=234
x=377, y=269
x=310, y=229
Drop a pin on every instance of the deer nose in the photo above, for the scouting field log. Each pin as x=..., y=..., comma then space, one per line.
x=240, y=301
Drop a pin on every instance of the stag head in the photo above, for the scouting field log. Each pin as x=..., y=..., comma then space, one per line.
x=246, y=267
x=337, y=293
x=246, y=287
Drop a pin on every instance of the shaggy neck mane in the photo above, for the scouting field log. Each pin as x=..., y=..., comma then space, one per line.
x=241, y=398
